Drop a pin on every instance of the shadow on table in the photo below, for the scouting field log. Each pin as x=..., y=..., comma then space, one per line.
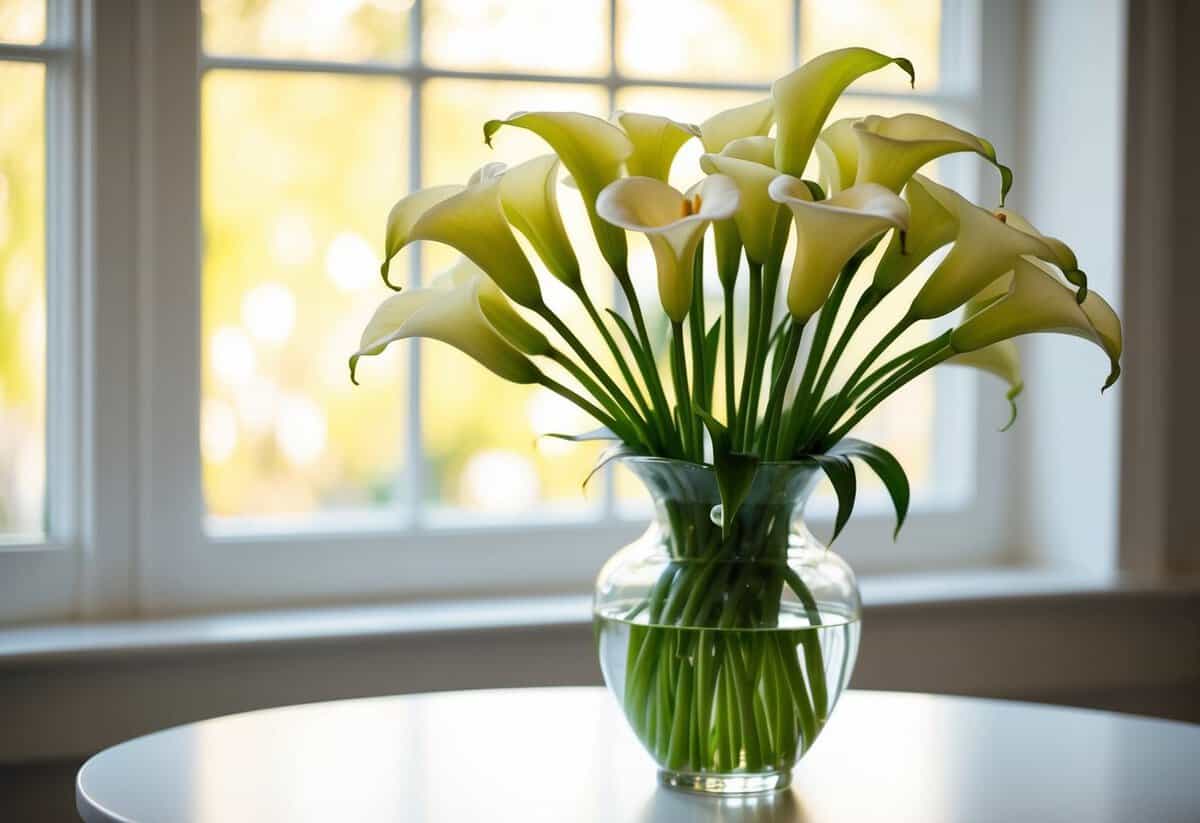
x=667, y=806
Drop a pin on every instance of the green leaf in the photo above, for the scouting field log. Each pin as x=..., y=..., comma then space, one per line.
x=888, y=469
x=735, y=470
x=602, y=433
x=606, y=457
x=840, y=472
x=712, y=342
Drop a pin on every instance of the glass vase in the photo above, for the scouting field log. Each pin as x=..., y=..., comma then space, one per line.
x=726, y=645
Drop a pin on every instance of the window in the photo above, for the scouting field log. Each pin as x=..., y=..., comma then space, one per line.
x=267, y=140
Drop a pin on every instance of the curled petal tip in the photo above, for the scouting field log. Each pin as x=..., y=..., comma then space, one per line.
x=353, y=366
x=1078, y=278
x=906, y=64
x=1112, y=377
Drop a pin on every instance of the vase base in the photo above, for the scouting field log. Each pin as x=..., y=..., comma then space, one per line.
x=725, y=784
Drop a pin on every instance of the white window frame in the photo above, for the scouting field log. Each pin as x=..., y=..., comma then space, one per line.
x=143, y=543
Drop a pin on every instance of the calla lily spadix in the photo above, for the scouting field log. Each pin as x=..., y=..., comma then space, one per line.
x=529, y=196
x=673, y=223
x=403, y=215
x=985, y=247
x=656, y=140
x=750, y=120
x=804, y=98
x=830, y=232
x=930, y=227
x=593, y=151
x=1038, y=300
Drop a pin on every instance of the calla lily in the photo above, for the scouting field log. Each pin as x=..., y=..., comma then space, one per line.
x=673, y=223
x=892, y=149
x=985, y=247
x=593, y=151
x=404, y=214
x=752, y=119
x=930, y=226
x=529, y=196
x=506, y=320
x=837, y=152
x=656, y=140
x=473, y=222
x=757, y=212
x=454, y=316
x=804, y=98
x=1039, y=301
x=1002, y=360
x=759, y=150
x=830, y=232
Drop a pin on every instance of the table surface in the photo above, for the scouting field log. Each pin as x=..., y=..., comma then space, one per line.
x=566, y=755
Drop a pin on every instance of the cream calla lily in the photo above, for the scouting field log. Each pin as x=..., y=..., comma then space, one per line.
x=529, y=196
x=830, y=232
x=673, y=223
x=454, y=316
x=757, y=212
x=985, y=247
x=473, y=222
x=506, y=320
x=752, y=119
x=837, y=153
x=892, y=149
x=804, y=98
x=593, y=152
x=1002, y=360
x=930, y=226
x=759, y=150
x=656, y=140
x=404, y=215
x=1038, y=300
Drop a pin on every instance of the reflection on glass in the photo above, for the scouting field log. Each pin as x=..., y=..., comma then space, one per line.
x=517, y=35
x=743, y=40
x=347, y=30
x=22, y=298
x=910, y=28
x=22, y=21
x=482, y=447
x=298, y=171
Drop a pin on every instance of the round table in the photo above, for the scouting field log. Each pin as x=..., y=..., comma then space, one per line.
x=566, y=755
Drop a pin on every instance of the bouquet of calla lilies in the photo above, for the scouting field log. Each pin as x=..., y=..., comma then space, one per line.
x=777, y=358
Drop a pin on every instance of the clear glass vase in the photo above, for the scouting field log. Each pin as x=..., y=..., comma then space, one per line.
x=726, y=647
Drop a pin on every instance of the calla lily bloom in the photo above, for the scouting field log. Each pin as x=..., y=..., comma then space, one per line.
x=837, y=152
x=804, y=98
x=1002, y=360
x=404, y=214
x=830, y=232
x=892, y=149
x=529, y=196
x=593, y=151
x=656, y=140
x=473, y=222
x=985, y=247
x=757, y=212
x=455, y=316
x=1039, y=301
x=673, y=223
x=750, y=120
x=930, y=227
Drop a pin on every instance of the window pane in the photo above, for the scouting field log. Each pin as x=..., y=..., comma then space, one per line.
x=299, y=172
x=22, y=21
x=908, y=28
x=743, y=40
x=517, y=35
x=315, y=29
x=22, y=300
x=482, y=450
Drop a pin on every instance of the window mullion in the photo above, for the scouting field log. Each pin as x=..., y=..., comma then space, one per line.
x=414, y=439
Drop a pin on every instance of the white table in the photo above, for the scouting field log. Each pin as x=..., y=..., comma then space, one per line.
x=565, y=755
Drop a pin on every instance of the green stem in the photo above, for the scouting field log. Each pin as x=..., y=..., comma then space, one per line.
x=610, y=341
x=683, y=399
x=745, y=414
x=779, y=386
x=585, y=404
x=730, y=378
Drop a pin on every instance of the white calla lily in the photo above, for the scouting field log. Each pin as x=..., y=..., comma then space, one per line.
x=593, y=152
x=837, y=153
x=455, y=316
x=1002, y=360
x=759, y=150
x=985, y=247
x=507, y=321
x=1038, y=300
x=529, y=196
x=750, y=120
x=656, y=140
x=829, y=233
x=403, y=216
x=673, y=223
x=804, y=98
x=930, y=226
x=757, y=212
x=473, y=222
x=892, y=149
